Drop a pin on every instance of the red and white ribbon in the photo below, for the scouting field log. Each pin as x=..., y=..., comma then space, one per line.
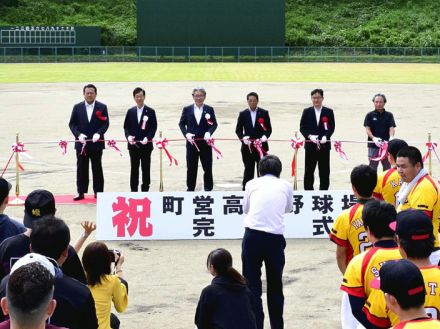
x=258, y=144
x=162, y=145
x=296, y=144
x=261, y=122
x=383, y=151
x=432, y=147
x=18, y=148
x=219, y=154
x=193, y=143
x=338, y=148
x=144, y=122
x=208, y=119
x=112, y=144
x=63, y=145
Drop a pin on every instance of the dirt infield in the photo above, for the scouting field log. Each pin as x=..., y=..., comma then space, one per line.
x=166, y=277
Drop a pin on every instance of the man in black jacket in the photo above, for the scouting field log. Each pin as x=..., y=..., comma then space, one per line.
x=89, y=122
x=253, y=124
x=197, y=124
x=140, y=126
x=317, y=126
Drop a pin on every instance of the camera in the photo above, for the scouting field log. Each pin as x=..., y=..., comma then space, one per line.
x=112, y=252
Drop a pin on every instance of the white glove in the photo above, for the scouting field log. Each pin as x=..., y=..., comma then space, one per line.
x=313, y=138
x=82, y=138
x=144, y=141
x=246, y=140
x=207, y=136
x=263, y=139
x=391, y=138
x=95, y=138
x=189, y=137
x=377, y=140
x=130, y=139
x=324, y=139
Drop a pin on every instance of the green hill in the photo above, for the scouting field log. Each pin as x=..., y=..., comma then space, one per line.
x=356, y=23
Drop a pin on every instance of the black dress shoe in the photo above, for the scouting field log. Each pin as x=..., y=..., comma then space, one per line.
x=78, y=197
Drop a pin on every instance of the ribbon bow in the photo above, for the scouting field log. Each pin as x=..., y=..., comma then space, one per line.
x=18, y=148
x=338, y=148
x=261, y=122
x=383, y=151
x=259, y=147
x=432, y=147
x=112, y=144
x=63, y=145
x=296, y=144
x=219, y=154
x=162, y=145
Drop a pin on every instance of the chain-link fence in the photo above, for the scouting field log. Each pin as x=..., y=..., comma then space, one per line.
x=218, y=54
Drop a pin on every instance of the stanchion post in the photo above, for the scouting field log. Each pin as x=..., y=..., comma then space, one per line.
x=429, y=157
x=17, y=200
x=160, y=166
x=295, y=178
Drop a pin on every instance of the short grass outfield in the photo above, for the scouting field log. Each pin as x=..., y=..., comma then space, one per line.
x=240, y=72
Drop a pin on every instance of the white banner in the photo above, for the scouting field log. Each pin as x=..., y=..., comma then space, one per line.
x=208, y=215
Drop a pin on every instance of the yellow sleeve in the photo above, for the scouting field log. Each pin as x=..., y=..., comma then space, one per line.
x=120, y=296
x=377, y=192
x=423, y=198
x=352, y=280
x=340, y=229
x=376, y=310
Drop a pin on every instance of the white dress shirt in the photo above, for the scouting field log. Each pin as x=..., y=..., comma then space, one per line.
x=317, y=114
x=198, y=111
x=253, y=116
x=89, y=110
x=266, y=200
x=139, y=113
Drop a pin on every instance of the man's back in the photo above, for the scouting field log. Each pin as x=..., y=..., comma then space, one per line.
x=9, y=227
x=388, y=185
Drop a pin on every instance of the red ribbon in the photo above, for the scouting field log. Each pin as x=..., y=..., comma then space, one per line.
x=261, y=122
x=112, y=144
x=162, y=145
x=296, y=145
x=432, y=146
x=338, y=148
x=383, y=151
x=259, y=147
x=63, y=145
x=100, y=116
x=18, y=148
x=325, y=122
x=216, y=150
x=193, y=142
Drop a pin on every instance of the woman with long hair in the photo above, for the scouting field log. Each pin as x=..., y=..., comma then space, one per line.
x=227, y=303
x=105, y=287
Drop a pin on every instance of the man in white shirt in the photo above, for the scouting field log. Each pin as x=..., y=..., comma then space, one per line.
x=267, y=199
x=197, y=125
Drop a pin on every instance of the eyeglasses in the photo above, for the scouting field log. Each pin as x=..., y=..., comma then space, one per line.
x=199, y=96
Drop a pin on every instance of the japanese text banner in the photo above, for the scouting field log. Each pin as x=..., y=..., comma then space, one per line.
x=208, y=215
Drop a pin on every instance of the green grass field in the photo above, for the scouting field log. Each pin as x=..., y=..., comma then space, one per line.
x=258, y=72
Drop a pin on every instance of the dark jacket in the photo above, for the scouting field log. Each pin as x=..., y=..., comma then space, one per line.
x=244, y=126
x=188, y=122
x=134, y=128
x=308, y=125
x=226, y=304
x=9, y=227
x=99, y=123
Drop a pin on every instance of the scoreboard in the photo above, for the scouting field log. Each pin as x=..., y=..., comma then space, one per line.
x=32, y=36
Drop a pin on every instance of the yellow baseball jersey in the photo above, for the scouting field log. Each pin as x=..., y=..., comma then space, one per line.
x=362, y=269
x=388, y=184
x=376, y=309
x=424, y=196
x=348, y=231
x=419, y=324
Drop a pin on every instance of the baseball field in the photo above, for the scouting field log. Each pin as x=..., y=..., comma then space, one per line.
x=166, y=277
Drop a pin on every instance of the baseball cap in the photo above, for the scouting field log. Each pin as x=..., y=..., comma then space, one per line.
x=34, y=258
x=401, y=279
x=395, y=145
x=413, y=225
x=5, y=187
x=38, y=203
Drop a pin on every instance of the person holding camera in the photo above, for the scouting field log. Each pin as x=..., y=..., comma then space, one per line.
x=105, y=286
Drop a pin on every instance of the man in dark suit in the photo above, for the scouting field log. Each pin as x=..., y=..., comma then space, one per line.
x=317, y=126
x=89, y=122
x=197, y=124
x=253, y=123
x=140, y=126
